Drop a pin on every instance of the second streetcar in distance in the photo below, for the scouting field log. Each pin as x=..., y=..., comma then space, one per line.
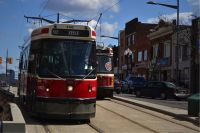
x=105, y=75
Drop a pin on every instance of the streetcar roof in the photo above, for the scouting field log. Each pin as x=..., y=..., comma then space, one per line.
x=64, y=31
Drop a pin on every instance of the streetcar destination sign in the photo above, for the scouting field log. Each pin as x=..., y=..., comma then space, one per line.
x=69, y=32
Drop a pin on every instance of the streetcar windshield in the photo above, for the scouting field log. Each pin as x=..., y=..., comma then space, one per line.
x=64, y=58
x=104, y=64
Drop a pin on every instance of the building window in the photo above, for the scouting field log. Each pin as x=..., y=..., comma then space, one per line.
x=133, y=39
x=155, y=51
x=167, y=49
x=145, y=55
x=139, y=56
x=132, y=57
x=184, y=52
x=129, y=40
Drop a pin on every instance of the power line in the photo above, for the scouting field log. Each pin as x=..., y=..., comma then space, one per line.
x=66, y=16
x=111, y=6
x=107, y=9
x=44, y=7
x=50, y=15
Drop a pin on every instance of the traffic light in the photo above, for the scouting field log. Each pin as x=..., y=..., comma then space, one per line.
x=0, y=60
x=10, y=60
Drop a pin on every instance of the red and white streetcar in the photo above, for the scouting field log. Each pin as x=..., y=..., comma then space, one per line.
x=58, y=72
x=105, y=75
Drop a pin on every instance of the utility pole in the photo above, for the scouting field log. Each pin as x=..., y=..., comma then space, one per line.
x=6, y=65
x=177, y=34
x=177, y=43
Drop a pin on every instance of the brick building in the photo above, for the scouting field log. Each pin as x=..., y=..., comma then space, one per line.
x=166, y=51
x=161, y=57
x=137, y=48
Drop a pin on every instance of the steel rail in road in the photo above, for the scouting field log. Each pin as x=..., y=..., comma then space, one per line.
x=47, y=130
x=95, y=128
x=120, y=103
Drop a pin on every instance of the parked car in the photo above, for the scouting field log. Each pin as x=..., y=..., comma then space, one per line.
x=117, y=86
x=132, y=82
x=124, y=86
x=163, y=90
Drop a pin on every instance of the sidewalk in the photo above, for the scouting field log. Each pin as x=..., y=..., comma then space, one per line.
x=175, y=112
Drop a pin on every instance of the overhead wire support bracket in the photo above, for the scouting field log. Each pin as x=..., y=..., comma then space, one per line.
x=74, y=20
x=40, y=18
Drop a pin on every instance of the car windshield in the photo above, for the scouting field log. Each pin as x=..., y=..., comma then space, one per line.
x=170, y=85
x=104, y=64
x=137, y=79
x=64, y=58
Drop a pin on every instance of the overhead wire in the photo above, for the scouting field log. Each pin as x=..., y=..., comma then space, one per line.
x=66, y=16
x=107, y=9
x=44, y=7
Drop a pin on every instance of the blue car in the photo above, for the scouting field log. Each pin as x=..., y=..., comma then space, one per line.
x=117, y=86
x=133, y=81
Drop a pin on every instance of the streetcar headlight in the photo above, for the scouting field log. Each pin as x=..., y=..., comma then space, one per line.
x=47, y=89
x=90, y=88
x=70, y=88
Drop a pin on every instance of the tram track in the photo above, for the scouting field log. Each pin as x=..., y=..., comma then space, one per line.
x=95, y=128
x=47, y=130
x=124, y=117
x=120, y=103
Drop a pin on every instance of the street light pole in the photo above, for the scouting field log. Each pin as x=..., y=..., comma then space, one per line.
x=177, y=43
x=177, y=33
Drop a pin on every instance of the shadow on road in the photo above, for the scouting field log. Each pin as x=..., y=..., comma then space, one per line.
x=33, y=120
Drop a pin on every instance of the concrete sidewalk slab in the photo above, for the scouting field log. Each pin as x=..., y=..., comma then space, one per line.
x=18, y=122
x=175, y=112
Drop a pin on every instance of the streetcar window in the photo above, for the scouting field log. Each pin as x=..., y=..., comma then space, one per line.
x=64, y=58
x=104, y=64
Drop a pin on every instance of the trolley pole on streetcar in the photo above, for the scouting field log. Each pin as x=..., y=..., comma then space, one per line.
x=177, y=33
x=58, y=18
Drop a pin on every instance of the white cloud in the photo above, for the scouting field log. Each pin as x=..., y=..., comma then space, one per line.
x=184, y=18
x=30, y=30
x=93, y=24
x=194, y=2
x=81, y=7
x=109, y=29
x=195, y=6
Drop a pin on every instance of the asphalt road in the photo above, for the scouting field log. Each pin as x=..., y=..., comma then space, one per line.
x=183, y=104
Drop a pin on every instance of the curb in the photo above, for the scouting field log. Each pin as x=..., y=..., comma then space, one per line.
x=18, y=122
x=173, y=114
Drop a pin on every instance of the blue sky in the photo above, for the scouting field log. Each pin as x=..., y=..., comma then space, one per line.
x=14, y=28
